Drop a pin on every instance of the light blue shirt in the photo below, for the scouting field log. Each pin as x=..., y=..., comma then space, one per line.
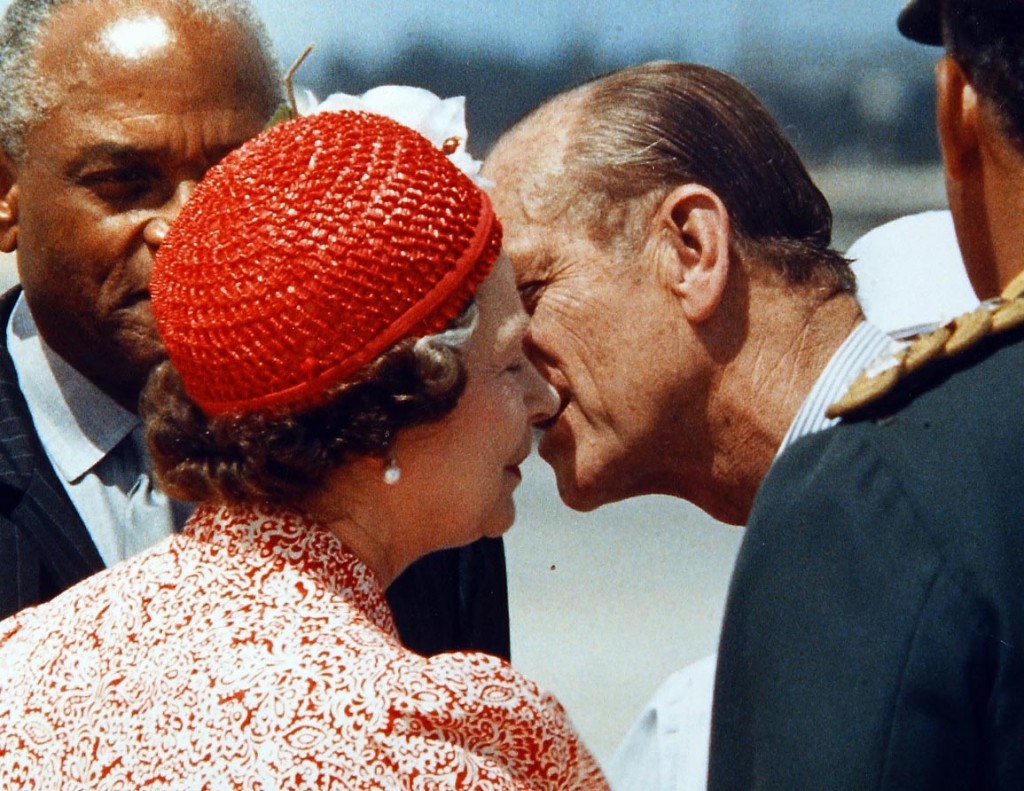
x=95, y=446
x=666, y=748
x=862, y=347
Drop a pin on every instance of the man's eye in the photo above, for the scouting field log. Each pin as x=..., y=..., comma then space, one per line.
x=529, y=295
x=119, y=185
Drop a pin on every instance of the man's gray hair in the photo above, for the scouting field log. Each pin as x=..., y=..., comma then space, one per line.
x=24, y=96
x=644, y=129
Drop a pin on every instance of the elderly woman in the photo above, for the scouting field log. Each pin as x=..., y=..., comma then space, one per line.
x=346, y=391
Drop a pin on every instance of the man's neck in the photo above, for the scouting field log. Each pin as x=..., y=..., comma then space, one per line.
x=760, y=392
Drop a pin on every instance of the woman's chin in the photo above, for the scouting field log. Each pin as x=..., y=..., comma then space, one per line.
x=500, y=524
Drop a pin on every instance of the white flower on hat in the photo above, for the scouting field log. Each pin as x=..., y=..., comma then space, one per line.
x=441, y=121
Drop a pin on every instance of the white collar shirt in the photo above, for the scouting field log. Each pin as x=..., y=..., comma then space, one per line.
x=95, y=446
x=862, y=347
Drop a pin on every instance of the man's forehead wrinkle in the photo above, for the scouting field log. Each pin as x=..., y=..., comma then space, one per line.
x=539, y=198
x=540, y=191
x=530, y=167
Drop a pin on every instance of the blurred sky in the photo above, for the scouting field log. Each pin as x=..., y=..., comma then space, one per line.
x=715, y=31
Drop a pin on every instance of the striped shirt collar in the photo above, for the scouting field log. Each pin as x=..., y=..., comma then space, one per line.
x=78, y=424
x=862, y=346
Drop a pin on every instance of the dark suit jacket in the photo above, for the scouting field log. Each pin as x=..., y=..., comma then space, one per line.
x=44, y=546
x=874, y=629
x=454, y=599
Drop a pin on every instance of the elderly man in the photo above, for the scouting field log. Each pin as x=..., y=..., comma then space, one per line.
x=674, y=255
x=110, y=112
x=869, y=639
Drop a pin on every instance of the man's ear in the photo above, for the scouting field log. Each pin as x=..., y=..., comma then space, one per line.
x=8, y=204
x=957, y=117
x=697, y=224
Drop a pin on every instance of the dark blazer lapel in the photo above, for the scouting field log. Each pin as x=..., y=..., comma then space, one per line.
x=37, y=519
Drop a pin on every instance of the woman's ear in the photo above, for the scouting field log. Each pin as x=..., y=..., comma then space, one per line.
x=8, y=204
x=697, y=224
x=957, y=117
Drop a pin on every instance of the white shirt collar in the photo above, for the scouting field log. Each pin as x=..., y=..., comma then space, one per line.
x=862, y=346
x=77, y=423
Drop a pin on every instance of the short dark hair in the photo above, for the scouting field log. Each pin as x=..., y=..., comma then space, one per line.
x=646, y=129
x=279, y=457
x=987, y=40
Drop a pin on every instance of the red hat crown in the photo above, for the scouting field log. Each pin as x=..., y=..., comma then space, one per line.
x=310, y=250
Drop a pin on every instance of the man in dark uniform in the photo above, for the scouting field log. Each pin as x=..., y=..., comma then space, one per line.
x=874, y=632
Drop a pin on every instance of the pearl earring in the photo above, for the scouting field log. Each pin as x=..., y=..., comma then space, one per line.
x=392, y=473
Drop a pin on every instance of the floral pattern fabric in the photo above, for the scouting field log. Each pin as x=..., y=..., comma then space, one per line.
x=254, y=651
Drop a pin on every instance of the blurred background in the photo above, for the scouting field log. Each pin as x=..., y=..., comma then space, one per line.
x=855, y=97
x=606, y=604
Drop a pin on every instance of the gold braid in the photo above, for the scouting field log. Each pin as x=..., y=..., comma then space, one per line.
x=952, y=338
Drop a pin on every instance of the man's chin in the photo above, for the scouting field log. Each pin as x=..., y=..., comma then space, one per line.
x=577, y=495
x=562, y=460
x=137, y=341
x=143, y=359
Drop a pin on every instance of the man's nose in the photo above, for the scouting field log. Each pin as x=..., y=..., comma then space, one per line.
x=158, y=225
x=543, y=399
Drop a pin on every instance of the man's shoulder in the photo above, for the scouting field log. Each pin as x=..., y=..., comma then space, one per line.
x=958, y=406
x=952, y=355
x=942, y=450
x=972, y=396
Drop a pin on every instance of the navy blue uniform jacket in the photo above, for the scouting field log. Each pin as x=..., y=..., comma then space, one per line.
x=874, y=629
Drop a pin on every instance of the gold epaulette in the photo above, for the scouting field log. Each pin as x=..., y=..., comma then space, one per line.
x=948, y=340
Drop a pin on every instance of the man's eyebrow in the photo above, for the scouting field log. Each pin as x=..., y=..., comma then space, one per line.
x=126, y=154
x=107, y=152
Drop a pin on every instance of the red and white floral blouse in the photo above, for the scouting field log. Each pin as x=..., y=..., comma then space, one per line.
x=254, y=651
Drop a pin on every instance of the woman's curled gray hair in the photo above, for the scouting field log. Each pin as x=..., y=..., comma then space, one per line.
x=277, y=458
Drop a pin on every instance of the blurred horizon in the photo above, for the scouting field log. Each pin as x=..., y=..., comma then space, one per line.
x=842, y=82
x=845, y=86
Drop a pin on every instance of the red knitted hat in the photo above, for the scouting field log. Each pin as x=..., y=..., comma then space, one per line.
x=310, y=250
